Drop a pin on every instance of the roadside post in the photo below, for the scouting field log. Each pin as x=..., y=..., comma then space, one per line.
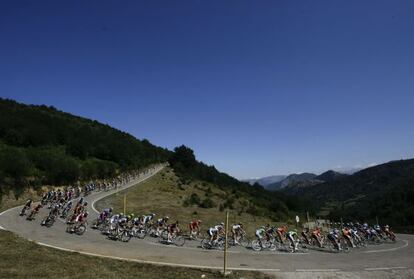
x=376, y=218
x=125, y=204
x=297, y=221
x=225, y=244
x=307, y=219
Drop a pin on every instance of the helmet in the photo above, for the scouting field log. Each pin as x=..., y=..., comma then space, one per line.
x=199, y=221
x=85, y=214
x=132, y=215
x=386, y=226
x=221, y=224
x=295, y=230
x=85, y=204
x=152, y=214
x=110, y=209
x=336, y=231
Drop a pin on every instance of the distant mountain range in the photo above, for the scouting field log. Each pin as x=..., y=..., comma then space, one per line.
x=265, y=181
x=384, y=191
x=293, y=181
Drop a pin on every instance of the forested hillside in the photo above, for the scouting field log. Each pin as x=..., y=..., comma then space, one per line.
x=42, y=145
x=276, y=205
x=385, y=191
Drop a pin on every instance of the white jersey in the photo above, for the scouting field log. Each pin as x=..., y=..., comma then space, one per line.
x=236, y=227
x=147, y=218
x=114, y=219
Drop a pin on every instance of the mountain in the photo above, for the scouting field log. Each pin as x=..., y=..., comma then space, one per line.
x=330, y=176
x=265, y=181
x=385, y=191
x=293, y=179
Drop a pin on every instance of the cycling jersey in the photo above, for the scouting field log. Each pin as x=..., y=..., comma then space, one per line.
x=236, y=227
x=147, y=218
x=260, y=232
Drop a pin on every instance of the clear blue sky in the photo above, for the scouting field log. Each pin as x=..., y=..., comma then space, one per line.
x=254, y=87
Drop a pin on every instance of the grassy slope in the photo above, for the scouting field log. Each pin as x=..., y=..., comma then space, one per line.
x=163, y=195
x=20, y=258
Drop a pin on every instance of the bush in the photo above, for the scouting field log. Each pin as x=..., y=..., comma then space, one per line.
x=207, y=203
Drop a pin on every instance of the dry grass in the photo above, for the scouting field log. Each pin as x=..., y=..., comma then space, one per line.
x=163, y=195
x=20, y=258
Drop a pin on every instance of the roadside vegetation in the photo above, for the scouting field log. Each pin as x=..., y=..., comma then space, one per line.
x=41, y=145
x=165, y=194
x=21, y=258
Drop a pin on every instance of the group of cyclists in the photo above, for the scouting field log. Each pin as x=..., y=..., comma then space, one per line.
x=70, y=205
x=349, y=236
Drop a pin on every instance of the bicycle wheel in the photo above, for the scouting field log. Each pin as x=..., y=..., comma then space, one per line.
x=81, y=230
x=244, y=242
x=256, y=246
x=141, y=233
x=205, y=243
x=125, y=236
x=179, y=240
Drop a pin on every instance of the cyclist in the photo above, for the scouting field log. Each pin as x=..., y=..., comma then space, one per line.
x=305, y=235
x=316, y=234
x=80, y=220
x=389, y=233
x=173, y=230
x=146, y=219
x=292, y=236
x=194, y=227
x=34, y=211
x=53, y=214
x=347, y=235
x=66, y=209
x=333, y=236
x=261, y=233
x=237, y=231
x=161, y=224
x=281, y=231
x=26, y=206
x=213, y=232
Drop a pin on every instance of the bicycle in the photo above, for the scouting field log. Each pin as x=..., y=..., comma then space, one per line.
x=264, y=244
x=218, y=244
x=176, y=239
x=241, y=240
x=79, y=230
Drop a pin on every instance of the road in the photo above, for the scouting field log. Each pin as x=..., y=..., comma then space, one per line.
x=380, y=261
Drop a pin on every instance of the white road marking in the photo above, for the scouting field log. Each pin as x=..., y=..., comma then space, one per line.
x=388, y=250
x=139, y=180
x=384, y=268
x=318, y=270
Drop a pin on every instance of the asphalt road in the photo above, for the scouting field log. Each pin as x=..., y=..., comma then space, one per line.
x=379, y=261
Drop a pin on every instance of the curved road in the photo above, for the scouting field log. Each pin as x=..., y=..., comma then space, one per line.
x=386, y=260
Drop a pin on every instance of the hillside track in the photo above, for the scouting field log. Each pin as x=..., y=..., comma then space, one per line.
x=386, y=260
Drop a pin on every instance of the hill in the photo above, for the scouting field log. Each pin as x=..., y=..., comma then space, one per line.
x=385, y=191
x=42, y=145
x=330, y=176
x=166, y=194
x=293, y=180
x=266, y=181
